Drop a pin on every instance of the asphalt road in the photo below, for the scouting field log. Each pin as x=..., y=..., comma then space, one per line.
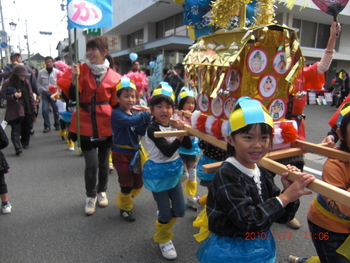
x=48, y=224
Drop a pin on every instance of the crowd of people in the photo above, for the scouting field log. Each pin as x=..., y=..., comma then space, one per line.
x=242, y=197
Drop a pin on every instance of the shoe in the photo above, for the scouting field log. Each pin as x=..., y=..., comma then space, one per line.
x=90, y=206
x=294, y=259
x=127, y=215
x=111, y=168
x=168, y=250
x=57, y=128
x=293, y=224
x=46, y=129
x=63, y=134
x=25, y=146
x=102, y=199
x=70, y=145
x=192, y=202
x=6, y=209
x=18, y=152
x=32, y=132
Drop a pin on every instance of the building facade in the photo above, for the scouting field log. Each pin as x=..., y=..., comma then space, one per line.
x=153, y=27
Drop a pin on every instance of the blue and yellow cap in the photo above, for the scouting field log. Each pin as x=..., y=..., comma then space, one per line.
x=185, y=92
x=248, y=111
x=165, y=89
x=344, y=110
x=125, y=82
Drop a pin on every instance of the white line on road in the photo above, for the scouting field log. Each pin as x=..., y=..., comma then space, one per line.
x=313, y=171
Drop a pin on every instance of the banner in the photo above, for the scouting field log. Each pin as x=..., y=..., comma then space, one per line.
x=157, y=73
x=89, y=13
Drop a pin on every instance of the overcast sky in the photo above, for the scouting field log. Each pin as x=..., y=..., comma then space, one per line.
x=41, y=15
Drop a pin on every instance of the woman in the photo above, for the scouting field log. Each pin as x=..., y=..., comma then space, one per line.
x=20, y=108
x=97, y=97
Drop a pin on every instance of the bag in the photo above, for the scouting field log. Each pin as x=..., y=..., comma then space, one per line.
x=11, y=90
x=139, y=159
x=135, y=164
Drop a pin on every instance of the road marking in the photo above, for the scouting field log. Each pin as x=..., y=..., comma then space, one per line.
x=313, y=171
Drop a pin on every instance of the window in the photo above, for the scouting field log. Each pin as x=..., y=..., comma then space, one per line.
x=173, y=25
x=297, y=24
x=180, y=28
x=135, y=38
x=312, y=34
x=308, y=34
x=169, y=26
x=322, y=36
x=160, y=29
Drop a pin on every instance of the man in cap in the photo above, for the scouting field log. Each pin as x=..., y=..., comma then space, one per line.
x=176, y=78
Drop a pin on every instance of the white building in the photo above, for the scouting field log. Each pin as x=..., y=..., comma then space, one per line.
x=152, y=27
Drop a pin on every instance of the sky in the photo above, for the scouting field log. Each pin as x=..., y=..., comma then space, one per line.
x=41, y=15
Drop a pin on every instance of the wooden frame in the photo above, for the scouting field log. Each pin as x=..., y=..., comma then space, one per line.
x=268, y=163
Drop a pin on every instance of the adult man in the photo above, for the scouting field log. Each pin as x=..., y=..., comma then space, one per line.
x=47, y=77
x=176, y=78
x=16, y=59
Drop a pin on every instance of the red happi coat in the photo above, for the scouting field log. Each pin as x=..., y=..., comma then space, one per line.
x=95, y=121
x=307, y=79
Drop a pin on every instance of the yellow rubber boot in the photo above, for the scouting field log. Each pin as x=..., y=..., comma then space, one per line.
x=190, y=188
x=70, y=145
x=124, y=202
x=63, y=134
x=110, y=160
x=135, y=192
x=313, y=260
x=203, y=200
x=163, y=231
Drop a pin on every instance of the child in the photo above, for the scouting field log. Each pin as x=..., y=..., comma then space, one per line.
x=162, y=172
x=187, y=103
x=127, y=127
x=65, y=108
x=243, y=198
x=5, y=204
x=61, y=107
x=210, y=154
x=328, y=220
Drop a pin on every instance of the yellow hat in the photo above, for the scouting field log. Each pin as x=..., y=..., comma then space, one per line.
x=185, y=92
x=248, y=111
x=344, y=110
x=165, y=89
x=125, y=82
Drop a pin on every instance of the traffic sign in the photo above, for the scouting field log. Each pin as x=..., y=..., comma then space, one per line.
x=3, y=33
x=3, y=45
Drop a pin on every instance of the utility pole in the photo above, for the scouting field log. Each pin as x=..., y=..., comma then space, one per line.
x=27, y=43
x=3, y=28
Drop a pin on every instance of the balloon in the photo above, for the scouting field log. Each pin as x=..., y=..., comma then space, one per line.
x=133, y=56
x=152, y=64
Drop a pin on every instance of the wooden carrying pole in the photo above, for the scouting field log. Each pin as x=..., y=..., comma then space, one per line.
x=323, y=188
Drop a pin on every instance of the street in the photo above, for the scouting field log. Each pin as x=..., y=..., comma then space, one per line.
x=48, y=223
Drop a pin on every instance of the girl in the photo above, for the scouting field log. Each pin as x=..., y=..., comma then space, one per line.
x=187, y=103
x=97, y=96
x=162, y=172
x=20, y=108
x=243, y=198
x=127, y=127
x=328, y=220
